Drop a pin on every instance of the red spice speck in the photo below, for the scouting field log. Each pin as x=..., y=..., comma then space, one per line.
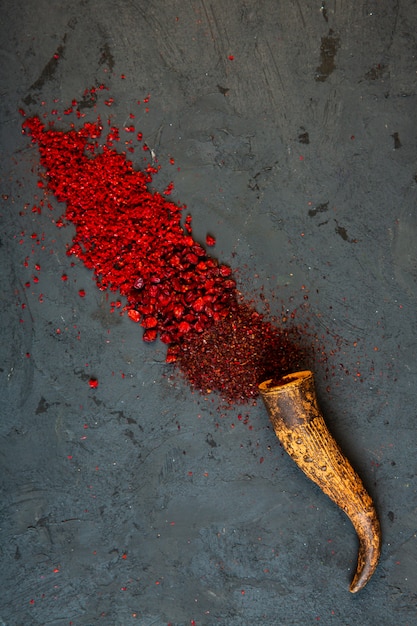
x=81, y=293
x=210, y=240
x=93, y=382
x=169, y=189
x=134, y=315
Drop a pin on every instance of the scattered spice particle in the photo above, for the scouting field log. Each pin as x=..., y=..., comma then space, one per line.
x=93, y=382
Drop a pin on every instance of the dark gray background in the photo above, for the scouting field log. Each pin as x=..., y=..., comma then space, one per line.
x=237, y=542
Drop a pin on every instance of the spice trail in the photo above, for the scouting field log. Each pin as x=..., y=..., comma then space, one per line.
x=134, y=241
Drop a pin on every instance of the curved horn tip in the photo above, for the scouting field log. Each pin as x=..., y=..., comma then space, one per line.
x=367, y=563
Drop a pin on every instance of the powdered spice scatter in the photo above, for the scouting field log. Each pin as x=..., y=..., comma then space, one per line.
x=134, y=241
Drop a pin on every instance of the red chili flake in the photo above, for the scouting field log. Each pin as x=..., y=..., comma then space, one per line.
x=225, y=270
x=150, y=335
x=81, y=293
x=64, y=278
x=231, y=57
x=168, y=190
x=149, y=322
x=210, y=240
x=93, y=382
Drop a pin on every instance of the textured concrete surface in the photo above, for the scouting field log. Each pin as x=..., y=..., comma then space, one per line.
x=141, y=502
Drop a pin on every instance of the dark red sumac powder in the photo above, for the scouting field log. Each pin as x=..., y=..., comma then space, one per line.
x=134, y=241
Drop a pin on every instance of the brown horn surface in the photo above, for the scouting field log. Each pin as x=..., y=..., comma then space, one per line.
x=299, y=425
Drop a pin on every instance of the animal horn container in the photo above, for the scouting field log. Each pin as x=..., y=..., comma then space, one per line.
x=299, y=425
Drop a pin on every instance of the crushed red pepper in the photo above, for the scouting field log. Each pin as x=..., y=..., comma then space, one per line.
x=237, y=353
x=134, y=241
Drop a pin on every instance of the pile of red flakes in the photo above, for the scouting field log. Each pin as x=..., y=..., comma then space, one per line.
x=134, y=241
x=237, y=353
